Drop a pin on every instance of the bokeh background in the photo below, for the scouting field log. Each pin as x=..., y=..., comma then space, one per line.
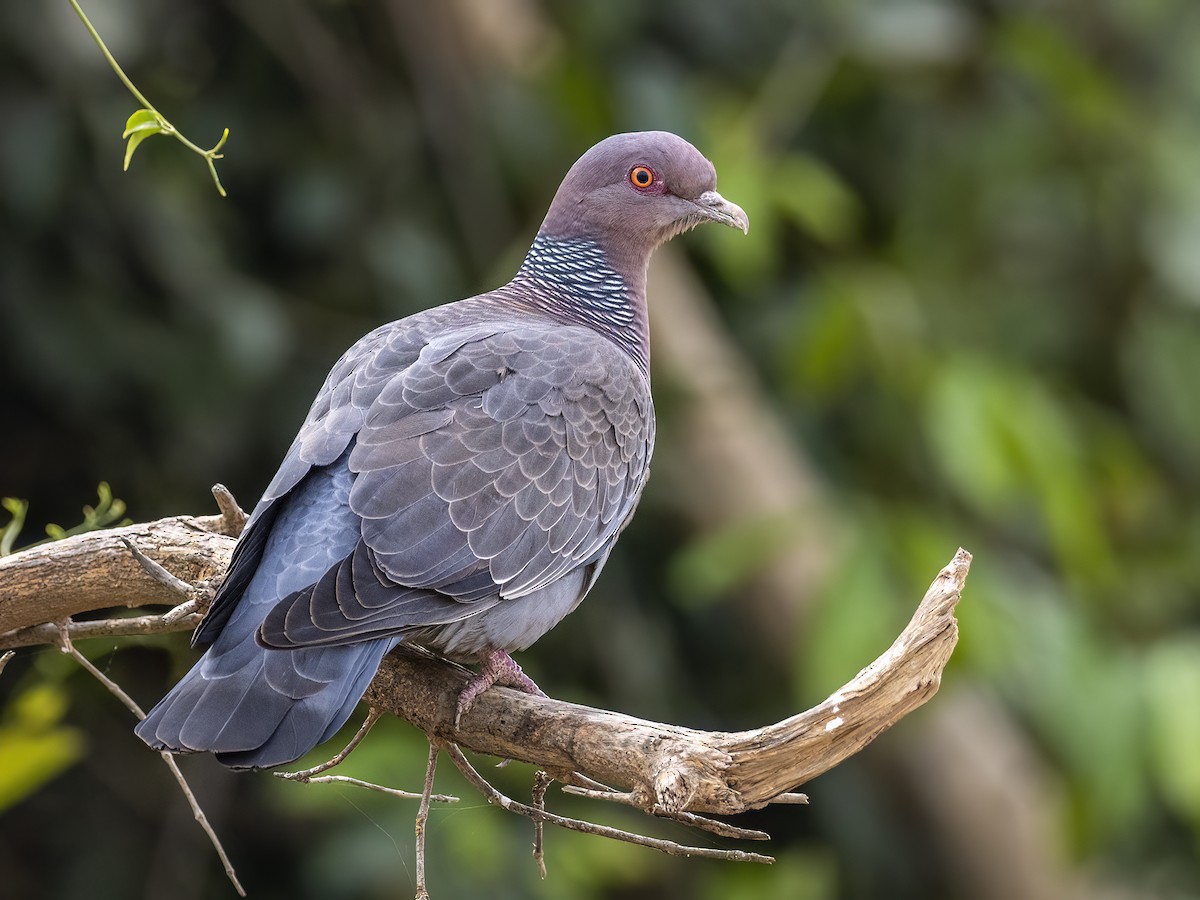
x=967, y=313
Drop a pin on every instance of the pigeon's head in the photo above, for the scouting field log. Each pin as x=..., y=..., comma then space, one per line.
x=632, y=192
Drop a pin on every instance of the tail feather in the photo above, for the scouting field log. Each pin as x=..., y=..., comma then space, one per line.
x=247, y=721
x=316, y=718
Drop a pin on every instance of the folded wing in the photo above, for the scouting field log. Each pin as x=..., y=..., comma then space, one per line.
x=498, y=461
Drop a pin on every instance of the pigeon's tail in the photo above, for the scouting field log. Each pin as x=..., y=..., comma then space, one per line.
x=258, y=708
x=252, y=706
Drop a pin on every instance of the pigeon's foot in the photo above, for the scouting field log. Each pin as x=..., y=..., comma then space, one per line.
x=497, y=667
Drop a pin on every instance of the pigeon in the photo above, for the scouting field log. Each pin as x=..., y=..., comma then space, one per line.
x=460, y=480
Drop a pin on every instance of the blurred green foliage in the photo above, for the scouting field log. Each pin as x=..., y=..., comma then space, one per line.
x=34, y=747
x=971, y=291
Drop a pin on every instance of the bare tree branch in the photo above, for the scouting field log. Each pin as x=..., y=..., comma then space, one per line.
x=197, y=813
x=674, y=769
x=724, y=829
x=671, y=848
x=665, y=770
x=124, y=626
x=54, y=581
x=371, y=786
x=233, y=518
x=163, y=576
x=373, y=716
x=423, y=818
x=790, y=799
x=541, y=781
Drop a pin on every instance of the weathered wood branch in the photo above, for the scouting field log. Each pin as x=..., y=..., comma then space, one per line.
x=665, y=769
x=673, y=769
x=51, y=582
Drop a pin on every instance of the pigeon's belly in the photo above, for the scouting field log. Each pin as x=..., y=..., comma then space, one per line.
x=510, y=624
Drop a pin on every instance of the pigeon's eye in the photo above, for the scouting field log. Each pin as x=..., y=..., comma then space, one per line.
x=641, y=177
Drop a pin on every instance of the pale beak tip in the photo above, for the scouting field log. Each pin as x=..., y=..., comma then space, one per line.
x=724, y=211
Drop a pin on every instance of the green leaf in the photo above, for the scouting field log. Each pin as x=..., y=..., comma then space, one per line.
x=109, y=510
x=8, y=535
x=142, y=124
x=143, y=120
x=134, y=140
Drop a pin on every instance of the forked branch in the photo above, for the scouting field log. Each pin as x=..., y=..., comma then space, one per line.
x=666, y=770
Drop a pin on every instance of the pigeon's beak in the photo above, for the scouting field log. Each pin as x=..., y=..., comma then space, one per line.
x=713, y=206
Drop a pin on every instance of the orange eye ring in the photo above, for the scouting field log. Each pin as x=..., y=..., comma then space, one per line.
x=641, y=177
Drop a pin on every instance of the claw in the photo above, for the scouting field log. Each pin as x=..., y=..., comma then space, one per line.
x=497, y=667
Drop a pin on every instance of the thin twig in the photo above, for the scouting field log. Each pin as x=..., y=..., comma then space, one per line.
x=373, y=716
x=189, y=610
x=372, y=786
x=5, y=658
x=541, y=781
x=423, y=818
x=161, y=574
x=233, y=517
x=790, y=798
x=724, y=829
x=209, y=156
x=115, y=689
x=496, y=798
x=120, y=627
x=201, y=819
x=579, y=780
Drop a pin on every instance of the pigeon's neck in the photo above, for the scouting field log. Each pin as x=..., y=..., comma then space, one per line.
x=573, y=280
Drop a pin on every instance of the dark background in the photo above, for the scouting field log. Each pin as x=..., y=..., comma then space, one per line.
x=967, y=313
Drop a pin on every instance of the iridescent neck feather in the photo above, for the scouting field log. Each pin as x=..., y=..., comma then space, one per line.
x=572, y=280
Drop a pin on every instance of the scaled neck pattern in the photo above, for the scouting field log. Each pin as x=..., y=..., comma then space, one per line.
x=571, y=279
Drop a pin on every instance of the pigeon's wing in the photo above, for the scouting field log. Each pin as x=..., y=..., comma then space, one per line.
x=494, y=465
x=336, y=415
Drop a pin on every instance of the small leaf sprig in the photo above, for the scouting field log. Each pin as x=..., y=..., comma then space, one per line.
x=17, y=509
x=108, y=511
x=148, y=121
